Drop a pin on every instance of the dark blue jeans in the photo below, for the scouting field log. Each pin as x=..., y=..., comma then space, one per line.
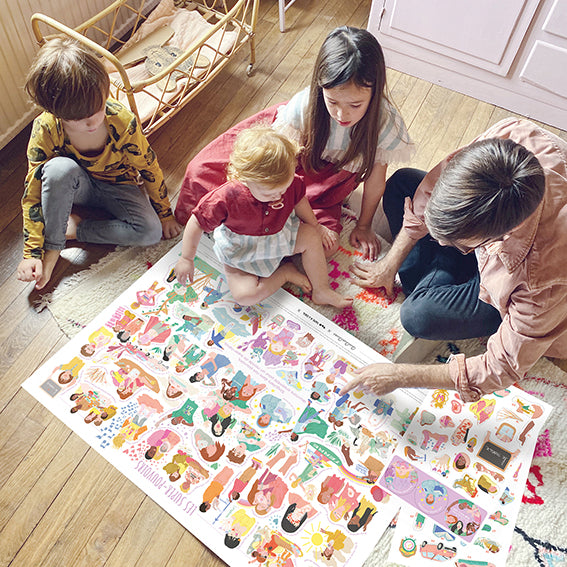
x=440, y=283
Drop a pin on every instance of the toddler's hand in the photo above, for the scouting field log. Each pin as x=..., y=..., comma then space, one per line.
x=170, y=228
x=184, y=270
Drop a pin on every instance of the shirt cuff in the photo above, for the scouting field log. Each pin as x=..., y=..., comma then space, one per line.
x=459, y=375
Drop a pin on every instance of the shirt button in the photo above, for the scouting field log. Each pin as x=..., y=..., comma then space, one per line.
x=266, y=230
x=267, y=213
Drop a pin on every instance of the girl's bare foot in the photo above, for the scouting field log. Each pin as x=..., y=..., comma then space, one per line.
x=327, y=296
x=294, y=276
x=72, y=224
x=50, y=258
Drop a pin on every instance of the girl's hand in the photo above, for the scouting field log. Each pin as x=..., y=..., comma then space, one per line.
x=366, y=241
x=329, y=237
x=170, y=228
x=373, y=275
x=184, y=270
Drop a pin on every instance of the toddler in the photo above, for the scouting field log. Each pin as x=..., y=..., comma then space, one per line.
x=256, y=217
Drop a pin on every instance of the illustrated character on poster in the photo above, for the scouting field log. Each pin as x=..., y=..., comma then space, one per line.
x=316, y=362
x=250, y=438
x=69, y=372
x=175, y=388
x=213, y=295
x=183, y=415
x=267, y=493
x=155, y=331
x=321, y=391
x=275, y=409
x=341, y=504
x=339, y=368
x=177, y=294
x=305, y=341
x=296, y=514
x=174, y=347
x=209, y=367
x=160, y=442
x=309, y=422
x=189, y=358
x=98, y=407
x=219, y=412
x=240, y=524
x=345, y=410
x=362, y=515
x=278, y=346
x=97, y=340
x=318, y=457
x=147, y=297
x=194, y=474
x=280, y=452
x=215, y=489
x=196, y=324
x=330, y=486
x=273, y=549
x=258, y=345
x=291, y=378
x=362, y=438
x=211, y=451
x=133, y=427
x=132, y=377
x=128, y=326
x=240, y=389
x=336, y=541
x=179, y=463
x=241, y=482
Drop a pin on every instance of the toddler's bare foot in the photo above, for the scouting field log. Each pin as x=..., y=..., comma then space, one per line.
x=50, y=258
x=294, y=276
x=72, y=224
x=327, y=296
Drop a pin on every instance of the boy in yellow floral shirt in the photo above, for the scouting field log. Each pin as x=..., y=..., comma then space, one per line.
x=85, y=149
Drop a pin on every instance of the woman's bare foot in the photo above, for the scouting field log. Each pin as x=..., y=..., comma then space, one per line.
x=294, y=276
x=327, y=296
x=72, y=224
x=50, y=258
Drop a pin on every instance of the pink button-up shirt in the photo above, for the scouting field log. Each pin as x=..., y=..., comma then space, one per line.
x=524, y=276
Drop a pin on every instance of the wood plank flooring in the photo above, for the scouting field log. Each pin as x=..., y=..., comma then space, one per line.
x=61, y=503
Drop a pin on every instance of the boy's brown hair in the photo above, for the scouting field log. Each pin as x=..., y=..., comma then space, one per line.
x=68, y=80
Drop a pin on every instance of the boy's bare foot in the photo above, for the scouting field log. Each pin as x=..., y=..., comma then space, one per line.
x=50, y=258
x=72, y=224
x=294, y=276
x=327, y=296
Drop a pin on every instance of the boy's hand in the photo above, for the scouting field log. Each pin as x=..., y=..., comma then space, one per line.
x=30, y=269
x=170, y=228
x=184, y=270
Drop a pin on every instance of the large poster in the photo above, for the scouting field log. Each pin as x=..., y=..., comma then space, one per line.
x=230, y=417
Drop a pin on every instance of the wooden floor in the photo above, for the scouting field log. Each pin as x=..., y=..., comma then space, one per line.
x=60, y=502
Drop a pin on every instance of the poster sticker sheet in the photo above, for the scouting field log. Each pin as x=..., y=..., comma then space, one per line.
x=461, y=469
x=229, y=417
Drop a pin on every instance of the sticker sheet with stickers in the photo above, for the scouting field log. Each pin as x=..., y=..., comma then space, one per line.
x=468, y=465
x=230, y=417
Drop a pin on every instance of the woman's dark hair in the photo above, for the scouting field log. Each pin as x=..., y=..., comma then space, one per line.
x=347, y=55
x=486, y=190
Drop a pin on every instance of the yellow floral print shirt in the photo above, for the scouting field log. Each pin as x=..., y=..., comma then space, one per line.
x=127, y=153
